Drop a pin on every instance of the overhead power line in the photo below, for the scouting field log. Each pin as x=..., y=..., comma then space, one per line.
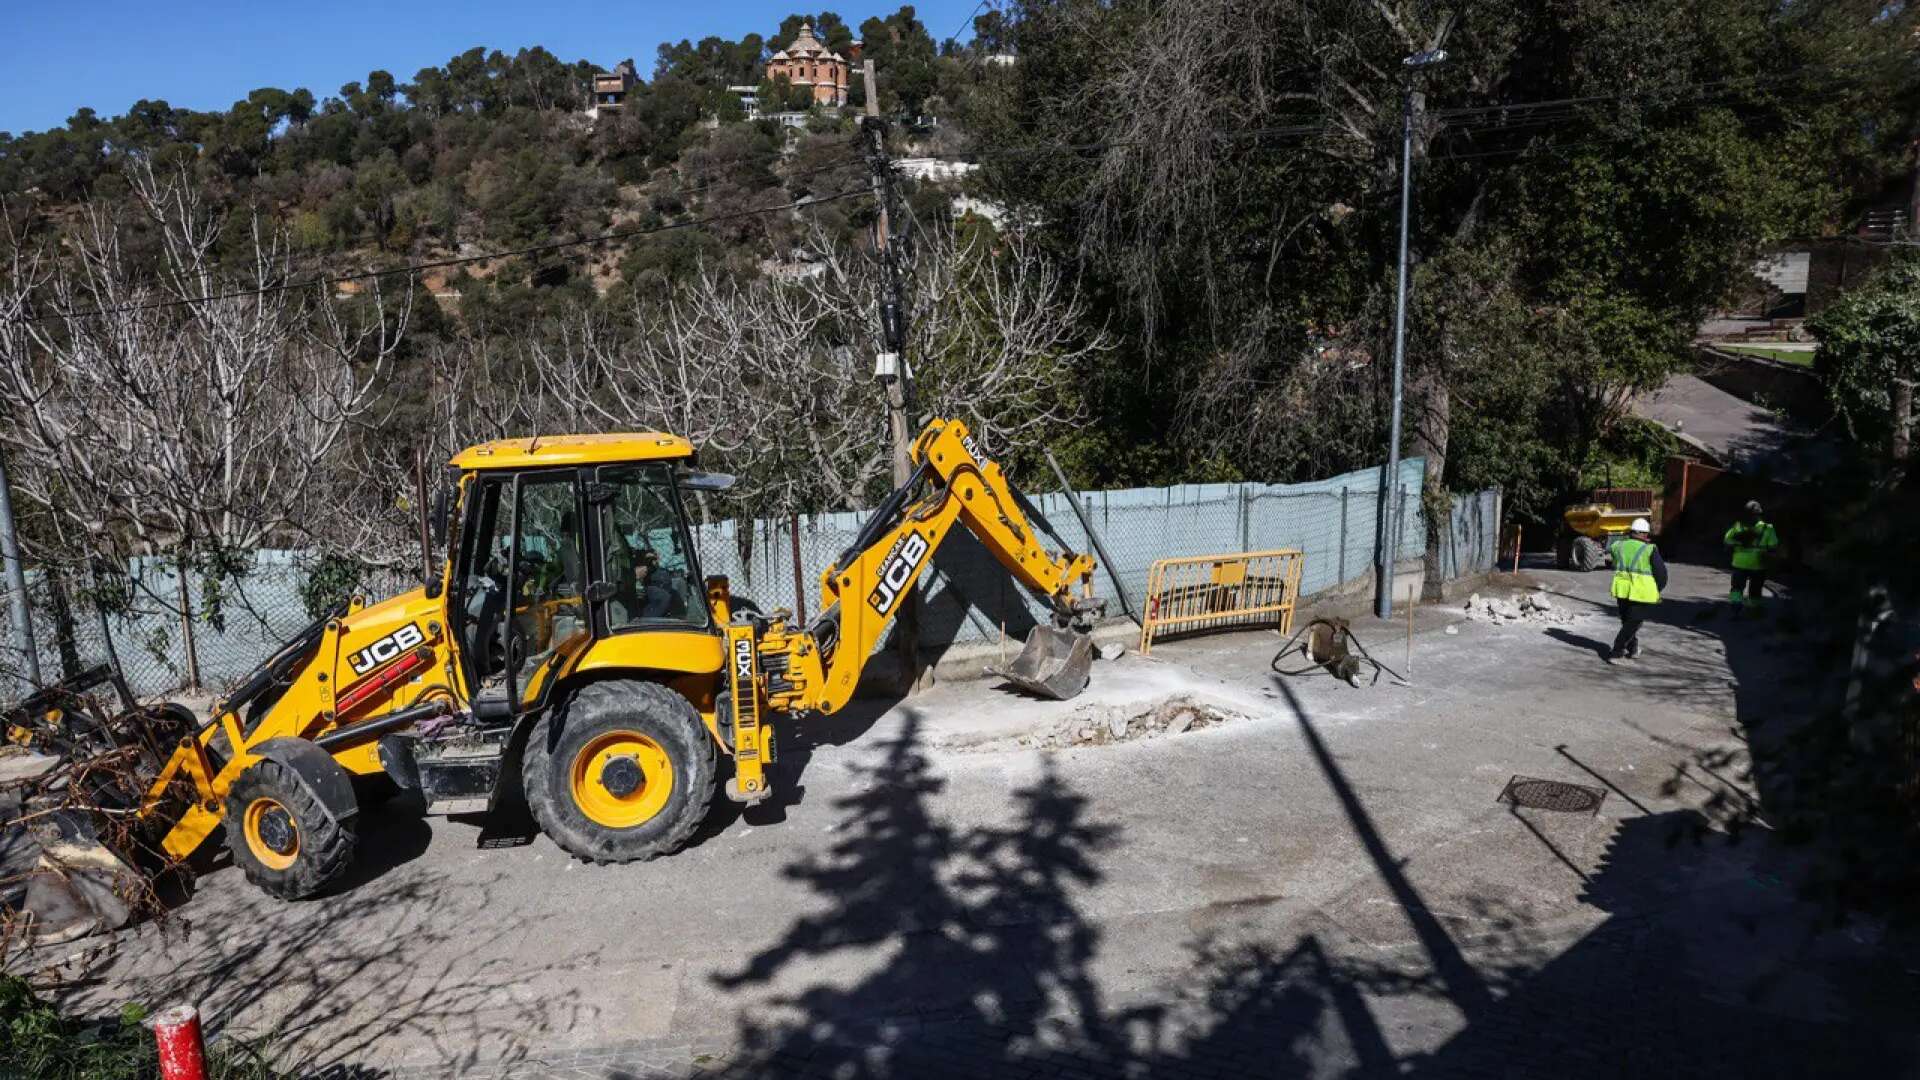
x=849, y=161
x=1505, y=116
x=1699, y=90
x=968, y=21
x=437, y=264
x=1036, y=149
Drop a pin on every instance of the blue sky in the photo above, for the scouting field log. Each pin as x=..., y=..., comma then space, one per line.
x=59, y=55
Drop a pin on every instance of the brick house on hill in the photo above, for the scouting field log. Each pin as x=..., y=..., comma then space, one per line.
x=808, y=63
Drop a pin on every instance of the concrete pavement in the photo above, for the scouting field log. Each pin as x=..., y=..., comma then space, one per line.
x=1325, y=887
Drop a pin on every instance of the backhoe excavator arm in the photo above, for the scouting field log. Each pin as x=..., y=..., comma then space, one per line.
x=778, y=668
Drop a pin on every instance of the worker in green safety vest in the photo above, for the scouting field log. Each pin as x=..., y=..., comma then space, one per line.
x=1754, y=543
x=1639, y=573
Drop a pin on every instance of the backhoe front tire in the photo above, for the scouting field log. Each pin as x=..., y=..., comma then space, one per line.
x=619, y=772
x=281, y=837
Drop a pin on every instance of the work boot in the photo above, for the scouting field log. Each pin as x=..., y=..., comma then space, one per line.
x=1633, y=650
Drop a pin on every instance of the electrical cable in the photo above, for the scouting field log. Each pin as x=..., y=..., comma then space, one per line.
x=1081, y=148
x=968, y=21
x=1541, y=113
x=1344, y=667
x=789, y=178
x=435, y=264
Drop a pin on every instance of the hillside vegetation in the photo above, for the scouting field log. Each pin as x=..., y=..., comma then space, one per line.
x=1192, y=278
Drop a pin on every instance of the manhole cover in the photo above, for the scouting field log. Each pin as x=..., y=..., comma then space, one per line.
x=1552, y=795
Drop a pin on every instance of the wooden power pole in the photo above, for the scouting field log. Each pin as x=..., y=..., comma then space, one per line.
x=891, y=362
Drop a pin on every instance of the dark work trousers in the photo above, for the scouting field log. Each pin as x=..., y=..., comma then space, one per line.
x=1632, y=614
x=1750, y=582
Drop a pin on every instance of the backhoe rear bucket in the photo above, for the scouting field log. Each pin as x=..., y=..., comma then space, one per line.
x=1053, y=663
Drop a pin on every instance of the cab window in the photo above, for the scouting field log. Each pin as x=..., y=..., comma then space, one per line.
x=648, y=557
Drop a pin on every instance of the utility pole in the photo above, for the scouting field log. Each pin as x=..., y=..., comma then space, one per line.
x=890, y=364
x=16, y=572
x=1389, y=518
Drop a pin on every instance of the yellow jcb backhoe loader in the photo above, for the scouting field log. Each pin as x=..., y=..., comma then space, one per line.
x=572, y=645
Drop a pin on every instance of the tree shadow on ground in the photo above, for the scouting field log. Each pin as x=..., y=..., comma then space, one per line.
x=965, y=952
x=940, y=951
x=328, y=983
x=979, y=924
x=1716, y=957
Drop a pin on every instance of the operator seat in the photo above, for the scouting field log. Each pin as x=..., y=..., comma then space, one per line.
x=619, y=562
x=569, y=554
x=483, y=627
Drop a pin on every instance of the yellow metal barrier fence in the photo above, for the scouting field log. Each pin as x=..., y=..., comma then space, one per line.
x=1214, y=592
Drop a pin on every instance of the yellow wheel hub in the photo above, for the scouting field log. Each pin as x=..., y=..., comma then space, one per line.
x=621, y=779
x=271, y=833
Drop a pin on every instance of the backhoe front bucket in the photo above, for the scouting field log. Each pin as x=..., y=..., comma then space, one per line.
x=63, y=883
x=1053, y=663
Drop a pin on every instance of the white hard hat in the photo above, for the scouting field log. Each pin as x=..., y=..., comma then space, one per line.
x=1641, y=525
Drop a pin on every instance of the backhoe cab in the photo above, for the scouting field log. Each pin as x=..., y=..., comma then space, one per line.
x=572, y=648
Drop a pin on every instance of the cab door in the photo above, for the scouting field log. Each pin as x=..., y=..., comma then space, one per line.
x=650, y=574
x=546, y=623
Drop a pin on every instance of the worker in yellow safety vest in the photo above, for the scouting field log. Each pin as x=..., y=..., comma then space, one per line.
x=1639, y=573
x=1754, y=543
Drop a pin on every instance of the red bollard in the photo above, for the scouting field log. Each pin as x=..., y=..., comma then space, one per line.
x=182, y=1054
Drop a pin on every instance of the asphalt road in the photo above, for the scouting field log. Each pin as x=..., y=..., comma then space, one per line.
x=1329, y=886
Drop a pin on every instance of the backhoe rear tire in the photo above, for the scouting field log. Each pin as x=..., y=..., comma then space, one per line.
x=621, y=771
x=1588, y=555
x=281, y=837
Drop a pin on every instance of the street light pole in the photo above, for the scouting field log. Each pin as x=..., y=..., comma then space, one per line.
x=1389, y=517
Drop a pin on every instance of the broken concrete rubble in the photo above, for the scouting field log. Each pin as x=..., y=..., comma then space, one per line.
x=1100, y=725
x=1532, y=607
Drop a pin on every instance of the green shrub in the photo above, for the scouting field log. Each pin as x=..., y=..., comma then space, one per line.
x=36, y=1041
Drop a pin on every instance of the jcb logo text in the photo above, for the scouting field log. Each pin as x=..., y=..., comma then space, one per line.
x=896, y=571
x=386, y=649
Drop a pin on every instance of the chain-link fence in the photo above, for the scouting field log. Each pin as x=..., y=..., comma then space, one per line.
x=969, y=598
x=236, y=622
x=232, y=622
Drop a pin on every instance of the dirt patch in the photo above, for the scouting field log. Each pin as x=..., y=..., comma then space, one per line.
x=1104, y=725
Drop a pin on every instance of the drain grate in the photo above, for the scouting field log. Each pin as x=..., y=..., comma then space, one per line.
x=1555, y=795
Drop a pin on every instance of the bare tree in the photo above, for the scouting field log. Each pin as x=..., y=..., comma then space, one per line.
x=198, y=407
x=772, y=377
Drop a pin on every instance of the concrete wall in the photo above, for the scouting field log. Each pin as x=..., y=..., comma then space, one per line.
x=1768, y=383
x=1836, y=267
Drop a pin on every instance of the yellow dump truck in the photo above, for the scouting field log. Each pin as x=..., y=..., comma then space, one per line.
x=1588, y=527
